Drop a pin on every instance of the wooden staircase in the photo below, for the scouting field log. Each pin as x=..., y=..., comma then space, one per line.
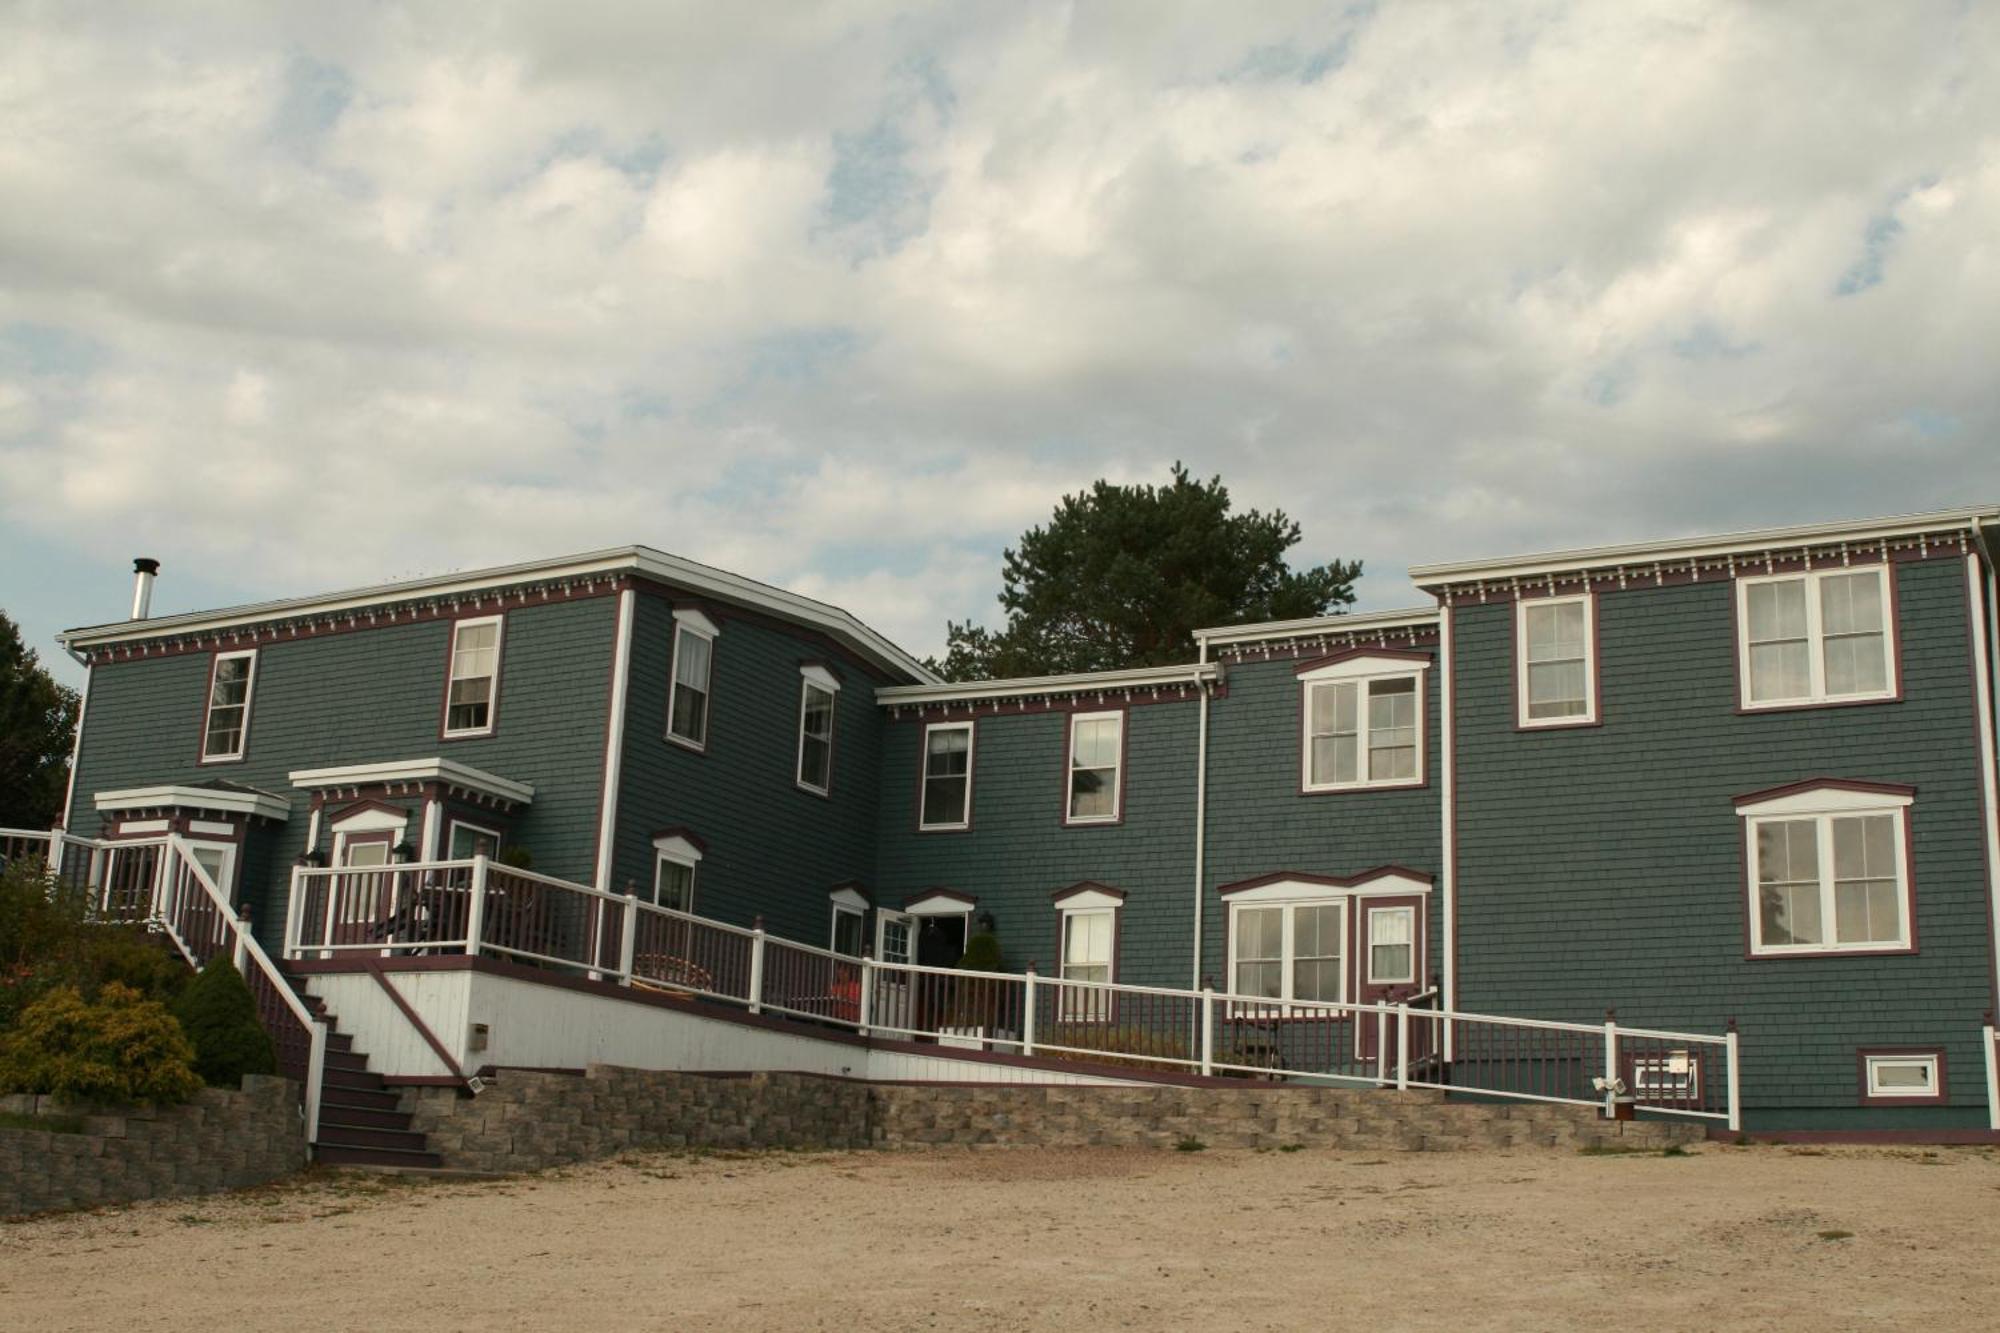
x=359, y=1120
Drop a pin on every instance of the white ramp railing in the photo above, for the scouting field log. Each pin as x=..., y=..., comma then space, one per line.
x=478, y=907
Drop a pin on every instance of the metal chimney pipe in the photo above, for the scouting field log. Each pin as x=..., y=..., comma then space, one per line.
x=143, y=570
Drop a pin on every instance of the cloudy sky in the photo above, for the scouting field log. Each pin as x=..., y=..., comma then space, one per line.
x=846, y=297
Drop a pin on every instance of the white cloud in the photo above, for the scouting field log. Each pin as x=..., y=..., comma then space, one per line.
x=848, y=301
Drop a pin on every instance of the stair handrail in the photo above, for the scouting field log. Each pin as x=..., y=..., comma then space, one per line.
x=244, y=945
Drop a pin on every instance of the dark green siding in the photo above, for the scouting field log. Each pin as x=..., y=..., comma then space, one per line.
x=1604, y=867
x=1018, y=851
x=773, y=848
x=1259, y=822
x=371, y=696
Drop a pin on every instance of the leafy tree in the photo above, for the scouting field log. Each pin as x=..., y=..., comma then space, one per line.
x=37, y=722
x=220, y=1018
x=1122, y=576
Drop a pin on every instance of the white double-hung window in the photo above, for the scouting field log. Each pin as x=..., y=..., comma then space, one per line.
x=475, y=677
x=225, y=730
x=1812, y=638
x=818, y=689
x=1089, y=949
x=675, y=857
x=945, y=798
x=1096, y=768
x=1829, y=869
x=688, y=687
x=1555, y=650
x=1363, y=722
x=1288, y=950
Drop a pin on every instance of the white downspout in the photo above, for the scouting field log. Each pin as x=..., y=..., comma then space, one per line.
x=1448, y=831
x=614, y=742
x=1200, y=826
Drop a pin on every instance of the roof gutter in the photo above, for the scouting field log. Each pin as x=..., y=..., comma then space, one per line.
x=1193, y=673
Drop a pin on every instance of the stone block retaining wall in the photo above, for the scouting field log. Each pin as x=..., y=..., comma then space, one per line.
x=220, y=1140
x=525, y=1121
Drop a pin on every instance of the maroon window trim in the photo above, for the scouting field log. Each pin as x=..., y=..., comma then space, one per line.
x=1939, y=1096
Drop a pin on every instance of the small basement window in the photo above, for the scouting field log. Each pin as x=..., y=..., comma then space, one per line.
x=1903, y=1076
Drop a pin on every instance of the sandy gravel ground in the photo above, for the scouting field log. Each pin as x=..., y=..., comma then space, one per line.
x=1724, y=1237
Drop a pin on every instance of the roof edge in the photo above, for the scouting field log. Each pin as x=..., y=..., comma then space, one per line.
x=1727, y=543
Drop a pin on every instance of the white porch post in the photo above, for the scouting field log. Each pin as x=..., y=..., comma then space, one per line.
x=315, y=1079
x=1028, y=1011
x=867, y=993
x=242, y=952
x=1610, y=1065
x=757, y=967
x=1207, y=1031
x=629, y=939
x=1403, y=1047
x=56, y=850
x=1734, y=1057
x=1381, y=1044
x=475, y=911
x=293, y=899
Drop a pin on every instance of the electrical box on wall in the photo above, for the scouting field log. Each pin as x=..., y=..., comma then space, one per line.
x=479, y=1037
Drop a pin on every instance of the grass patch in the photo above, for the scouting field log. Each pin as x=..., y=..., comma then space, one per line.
x=1291, y=1147
x=52, y=1124
x=1190, y=1145
x=1630, y=1150
x=1836, y=1235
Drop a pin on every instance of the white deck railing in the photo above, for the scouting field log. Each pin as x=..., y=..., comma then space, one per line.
x=480, y=907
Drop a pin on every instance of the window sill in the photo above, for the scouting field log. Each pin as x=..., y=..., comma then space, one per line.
x=1402, y=784
x=824, y=793
x=1109, y=821
x=1797, y=705
x=207, y=761
x=944, y=828
x=1557, y=724
x=465, y=735
x=1858, y=951
x=693, y=747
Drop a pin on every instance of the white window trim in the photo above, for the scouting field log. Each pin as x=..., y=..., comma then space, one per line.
x=1588, y=717
x=676, y=850
x=452, y=824
x=924, y=772
x=208, y=708
x=687, y=620
x=1318, y=897
x=1087, y=1005
x=1815, y=639
x=1117, y=814
x=814, y=678
x=1933, y=1092
x=1823, y=806
x=846, y=902
x=1362, y=670
x=458, y=627
x=1405, y=910
x=395, y=823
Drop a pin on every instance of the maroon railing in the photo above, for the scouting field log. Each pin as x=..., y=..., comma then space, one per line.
x=688, y=954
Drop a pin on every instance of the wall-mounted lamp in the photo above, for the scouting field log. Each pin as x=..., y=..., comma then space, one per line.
x=403, y=852
x=985, y=922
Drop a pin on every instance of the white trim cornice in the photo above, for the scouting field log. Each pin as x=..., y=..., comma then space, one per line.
x=675, y=848
x=1364, y=666
x=1826, y=800
x=415, y=770
x=1307, y=890
x=261, y=804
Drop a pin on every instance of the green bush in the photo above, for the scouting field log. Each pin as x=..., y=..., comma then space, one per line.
x=48, y=941
x=123, y=1048
x=982, y=953
x=220, y=1018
